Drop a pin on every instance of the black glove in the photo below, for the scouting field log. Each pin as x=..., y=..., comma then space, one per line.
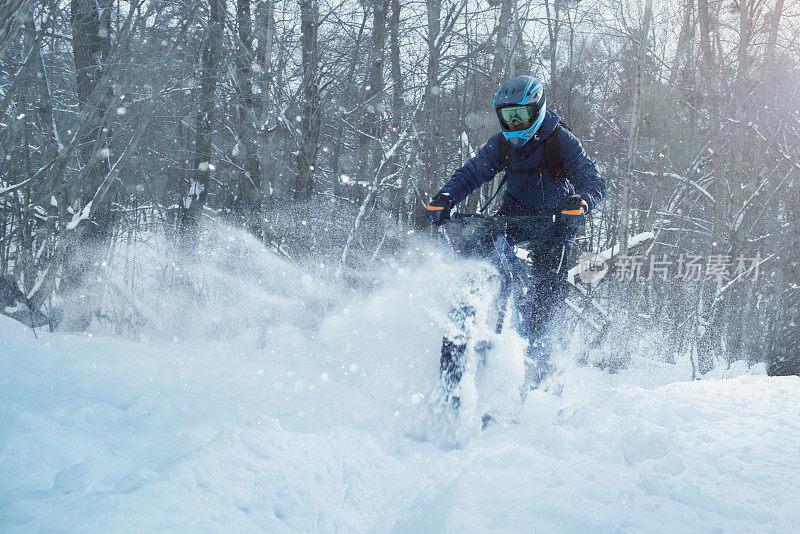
x=438, y=209
x=573, y=210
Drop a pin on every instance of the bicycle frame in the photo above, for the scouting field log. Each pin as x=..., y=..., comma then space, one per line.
x=510, y=268
x=510, y=264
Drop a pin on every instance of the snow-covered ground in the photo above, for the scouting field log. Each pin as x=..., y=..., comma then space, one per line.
x=322, y=420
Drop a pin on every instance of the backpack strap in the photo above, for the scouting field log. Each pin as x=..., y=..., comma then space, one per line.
x=551, y=157
x=499, y=187
x=504, y=152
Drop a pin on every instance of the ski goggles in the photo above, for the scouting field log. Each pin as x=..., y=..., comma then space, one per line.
x=524, y=113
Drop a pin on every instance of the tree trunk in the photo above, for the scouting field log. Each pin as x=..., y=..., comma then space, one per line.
x=397, y=74
x=431, y=161
x=202, y=164
x=373, y=114
x=309, y=125
x=352, y=92
x=711, y=317
x=500, y=59
x=712, y=82
x=634, y=129
x=398, y=195
x=687, y=30
x=553, y=26
x=265, y=16
x=248, y=190
x=497, y=75
x=90, y=45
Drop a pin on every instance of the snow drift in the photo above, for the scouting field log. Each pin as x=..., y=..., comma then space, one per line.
x=287, y=404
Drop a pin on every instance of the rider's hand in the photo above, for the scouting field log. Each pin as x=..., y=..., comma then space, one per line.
x=438, y=209
x=574, y=205
x=572, y=211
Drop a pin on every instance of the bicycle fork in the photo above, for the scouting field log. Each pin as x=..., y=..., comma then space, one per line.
x=512, y=286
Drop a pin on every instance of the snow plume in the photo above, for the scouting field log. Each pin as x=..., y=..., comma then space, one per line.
x=315, y=233
x=228, y=282
x=391, y=340
x=229, y=285
x=384, y=319
x=381, y=326
x=381, y=330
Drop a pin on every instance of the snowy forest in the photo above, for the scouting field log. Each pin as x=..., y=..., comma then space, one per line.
x=323, y=128
x=223, y=306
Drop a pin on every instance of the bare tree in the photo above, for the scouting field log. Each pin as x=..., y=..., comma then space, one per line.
x=202, y=159
x=374, y=110
x=91, y=42
x=397, y=73
x=310, y=119
x=265, y=20
x=248, y=191
x=634, y=127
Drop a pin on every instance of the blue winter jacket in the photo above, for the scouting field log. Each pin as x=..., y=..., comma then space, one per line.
x=530, y=190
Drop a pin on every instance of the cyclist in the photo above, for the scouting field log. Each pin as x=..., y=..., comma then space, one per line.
x=547, y=173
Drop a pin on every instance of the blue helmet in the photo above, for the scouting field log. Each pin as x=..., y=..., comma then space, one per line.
x=516, y=95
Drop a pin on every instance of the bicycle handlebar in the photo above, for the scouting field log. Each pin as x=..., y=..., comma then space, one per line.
x=553, y=219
